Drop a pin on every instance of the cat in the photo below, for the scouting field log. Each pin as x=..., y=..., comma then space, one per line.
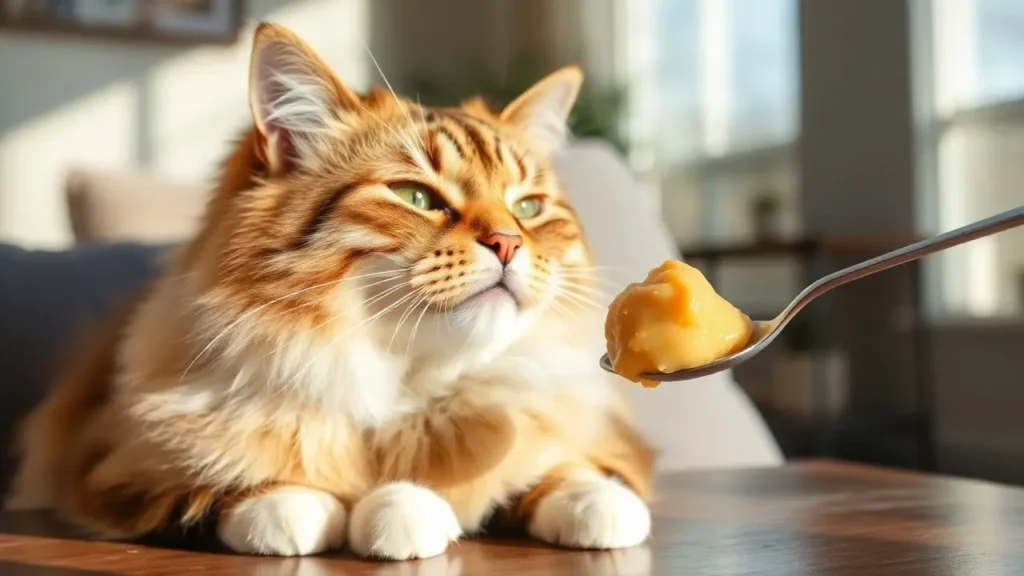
x=380, y=337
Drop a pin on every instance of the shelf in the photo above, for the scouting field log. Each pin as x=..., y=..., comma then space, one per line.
x=831, y=245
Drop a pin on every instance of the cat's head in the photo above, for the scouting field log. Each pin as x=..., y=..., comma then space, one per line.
x=343, y=212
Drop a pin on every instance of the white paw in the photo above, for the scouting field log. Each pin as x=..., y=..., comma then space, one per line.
x=290, y=521
x=399, y=521
x=591, y=512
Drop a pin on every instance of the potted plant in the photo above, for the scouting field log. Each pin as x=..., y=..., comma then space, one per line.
x=766, y=211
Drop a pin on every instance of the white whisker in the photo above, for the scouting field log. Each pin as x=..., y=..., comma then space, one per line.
x=584, y=288
x=256, y=310
x=342, y=335
x=580, y=300
x=421, y=295
x=392, y=90
x=416, y=327
x=417, y=154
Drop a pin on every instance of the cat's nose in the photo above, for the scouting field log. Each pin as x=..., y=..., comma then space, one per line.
x=504, y=246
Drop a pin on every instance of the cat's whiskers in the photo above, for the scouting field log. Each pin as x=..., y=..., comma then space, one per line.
x=201, y=303
x=404, y=108
x=398, y=101
x=559, y=307
x=583, y=289
x=592, y=268
x=585, y=275
x=256, y=310
x=321, y=301
x=408, y=144
x=579, y=299
x=423, y=118
x=538, y=283
x=367, y=322
x=563, y=310
x=421, y=294
x=412, y=336
x=565, y=288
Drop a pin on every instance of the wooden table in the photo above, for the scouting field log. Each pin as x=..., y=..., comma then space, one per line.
x=817, y=517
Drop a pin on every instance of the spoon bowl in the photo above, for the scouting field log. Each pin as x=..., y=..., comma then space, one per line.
x=764, y=332
x=760, y=337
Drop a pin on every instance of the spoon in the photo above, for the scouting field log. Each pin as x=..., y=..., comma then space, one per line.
x=764, y=331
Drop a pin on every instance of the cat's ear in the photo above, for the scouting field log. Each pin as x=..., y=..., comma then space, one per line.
x=542, y=111
x=294, y=96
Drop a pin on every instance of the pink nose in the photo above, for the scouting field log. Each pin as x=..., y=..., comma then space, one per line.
x=503, y=245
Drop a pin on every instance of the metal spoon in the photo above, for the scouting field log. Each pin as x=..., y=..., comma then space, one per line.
x=766, y=331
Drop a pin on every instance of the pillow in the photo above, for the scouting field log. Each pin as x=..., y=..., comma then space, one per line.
x=110, y=206
x=46, y=298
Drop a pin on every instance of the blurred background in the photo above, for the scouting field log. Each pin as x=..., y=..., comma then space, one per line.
x=778, y=140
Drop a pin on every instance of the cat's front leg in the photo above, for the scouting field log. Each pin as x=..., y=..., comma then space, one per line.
x=578, y=506
x=401, y=521
x=283, y=521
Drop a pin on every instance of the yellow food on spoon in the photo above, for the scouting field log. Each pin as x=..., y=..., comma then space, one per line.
x=672, y=320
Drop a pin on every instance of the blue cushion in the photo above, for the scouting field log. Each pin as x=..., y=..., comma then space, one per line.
x=45, y=299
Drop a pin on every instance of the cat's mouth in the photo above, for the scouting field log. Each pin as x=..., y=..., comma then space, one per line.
x=500, y=290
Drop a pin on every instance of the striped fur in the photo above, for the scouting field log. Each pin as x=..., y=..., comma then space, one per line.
x=320, y=334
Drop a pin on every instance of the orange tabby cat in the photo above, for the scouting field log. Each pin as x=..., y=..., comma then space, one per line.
x=376, y=338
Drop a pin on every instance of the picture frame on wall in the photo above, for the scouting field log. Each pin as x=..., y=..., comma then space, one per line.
x=120, y=13
x=160, y=21
x=195, y=17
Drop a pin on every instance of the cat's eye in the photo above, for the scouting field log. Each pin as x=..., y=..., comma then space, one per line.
x=418, y=196
x=527, y=208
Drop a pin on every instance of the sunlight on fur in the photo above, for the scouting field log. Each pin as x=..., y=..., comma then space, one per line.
x=384, y=335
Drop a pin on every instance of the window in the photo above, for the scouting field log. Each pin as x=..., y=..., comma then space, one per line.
x=979, y=47
x=715, y=108
x=725, y=75
x=976, y=109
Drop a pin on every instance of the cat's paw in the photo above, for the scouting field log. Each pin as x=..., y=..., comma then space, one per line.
x=289, y=521
x=401, y=520
x=591, y=512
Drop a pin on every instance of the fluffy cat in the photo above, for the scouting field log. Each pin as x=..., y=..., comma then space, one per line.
x=378, y=338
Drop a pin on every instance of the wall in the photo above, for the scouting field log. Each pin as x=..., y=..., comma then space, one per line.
x=66, y=102
x=483, y=37
x=857, y=176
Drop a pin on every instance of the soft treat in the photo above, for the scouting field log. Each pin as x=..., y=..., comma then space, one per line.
x=673, y=320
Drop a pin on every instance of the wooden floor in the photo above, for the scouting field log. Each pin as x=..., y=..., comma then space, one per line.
x=809, y=518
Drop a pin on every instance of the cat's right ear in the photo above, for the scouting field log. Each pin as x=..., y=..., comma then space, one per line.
x=294, y=96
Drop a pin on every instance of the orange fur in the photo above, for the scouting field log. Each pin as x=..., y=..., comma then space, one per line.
x=256, y=360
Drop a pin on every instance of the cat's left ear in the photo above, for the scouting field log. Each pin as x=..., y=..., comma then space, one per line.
x=295, y=97
x=542, y=111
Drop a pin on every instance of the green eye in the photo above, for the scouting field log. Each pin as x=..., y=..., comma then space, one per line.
x=527, y=208
x=418, y=196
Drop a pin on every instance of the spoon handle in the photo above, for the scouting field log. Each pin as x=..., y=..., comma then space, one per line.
x=981, y=228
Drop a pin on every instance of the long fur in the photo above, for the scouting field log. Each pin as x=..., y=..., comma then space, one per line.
x=319, y=333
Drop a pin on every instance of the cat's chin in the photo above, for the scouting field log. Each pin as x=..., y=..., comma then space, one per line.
x=483, y=324
x=493, y=310
x=497, y=295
